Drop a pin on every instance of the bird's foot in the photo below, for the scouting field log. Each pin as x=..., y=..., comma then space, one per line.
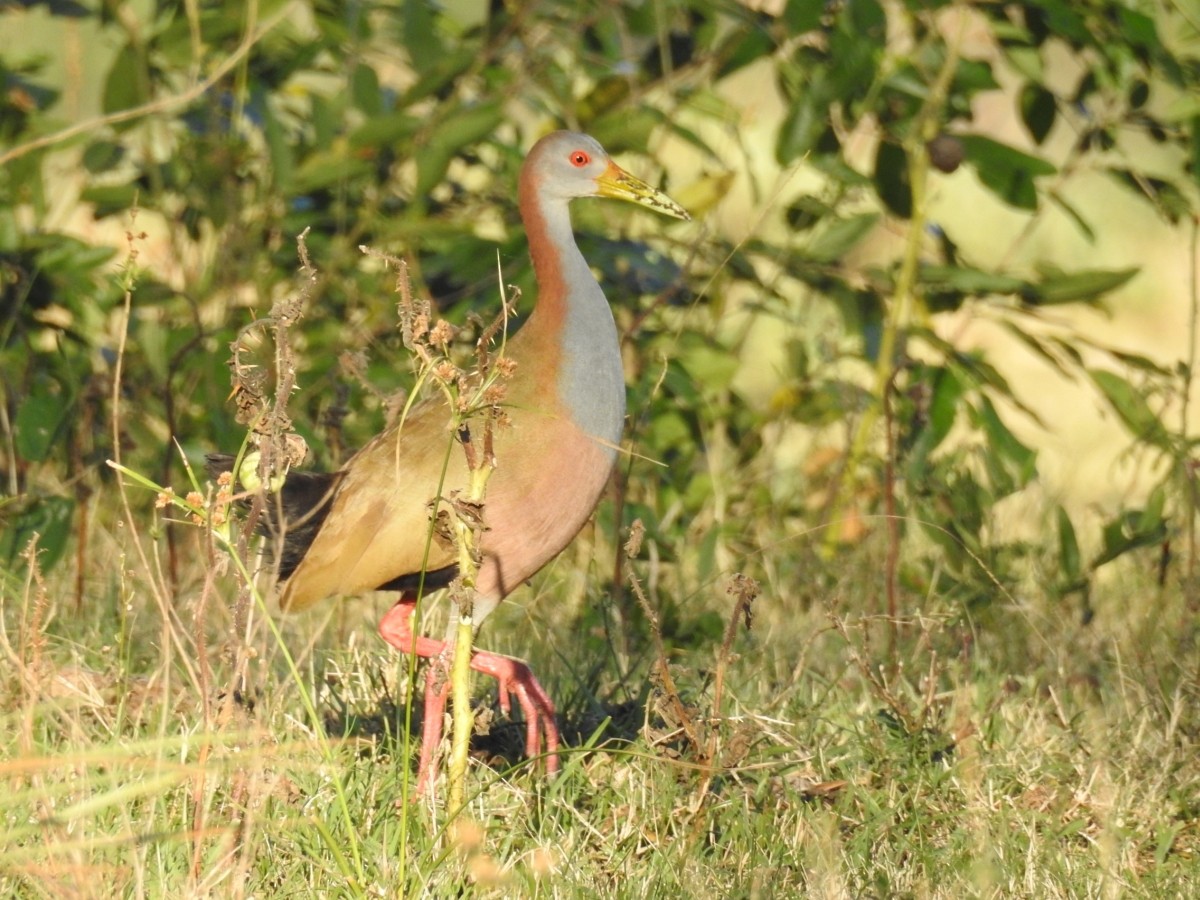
x=513, y=677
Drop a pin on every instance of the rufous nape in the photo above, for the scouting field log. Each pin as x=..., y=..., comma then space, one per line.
x=366, y=527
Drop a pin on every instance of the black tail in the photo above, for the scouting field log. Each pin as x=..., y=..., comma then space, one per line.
x=294, y=515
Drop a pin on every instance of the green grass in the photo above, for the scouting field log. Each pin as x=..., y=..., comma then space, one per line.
x=1016, y=754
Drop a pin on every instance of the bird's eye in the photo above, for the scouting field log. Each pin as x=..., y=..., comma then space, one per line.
x=579, y=159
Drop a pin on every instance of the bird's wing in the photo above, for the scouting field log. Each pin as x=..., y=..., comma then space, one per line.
x=379, y=526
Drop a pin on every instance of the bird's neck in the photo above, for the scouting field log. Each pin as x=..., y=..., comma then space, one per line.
x=572, y=321
x=561, y=271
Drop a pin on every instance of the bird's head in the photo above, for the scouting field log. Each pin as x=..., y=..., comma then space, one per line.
x=568, y=164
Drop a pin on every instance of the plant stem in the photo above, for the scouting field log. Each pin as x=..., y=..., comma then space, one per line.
x=924, y=127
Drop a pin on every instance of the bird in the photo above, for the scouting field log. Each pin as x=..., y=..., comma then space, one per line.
x=366, y=527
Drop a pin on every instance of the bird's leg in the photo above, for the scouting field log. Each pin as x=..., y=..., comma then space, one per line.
x=437, y=689
x=396, y=628
x=512, y=675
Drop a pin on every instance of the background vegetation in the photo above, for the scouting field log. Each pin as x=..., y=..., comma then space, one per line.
x=958, y=680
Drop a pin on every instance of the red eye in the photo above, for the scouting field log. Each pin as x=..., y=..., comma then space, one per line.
x=579, y=159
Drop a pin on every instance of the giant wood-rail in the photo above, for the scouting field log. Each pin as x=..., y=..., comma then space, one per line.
x=367, y=526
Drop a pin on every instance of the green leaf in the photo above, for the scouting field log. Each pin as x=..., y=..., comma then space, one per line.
x=1010, y=464
x=806, y=212
x=1081, y=223
x=626, y=129
x=1038, y=110
x=741, y=48
x=1050, y=351
x=279, y=149
x=1062, y=20
x=1131, y=408
x=891, y=179
x=1130, y=530
x=1006, y=171
x=110, y=199
x=802, y=15
x=1139, y=30
x=1069, y=560
x=49, y=518
x=39, y=421
x=385, y=131
x=943, y=405
x=421, y=39
x=466, y=126
x=364, y=88
x=710, y=367
x=1165, y=836
x=803, y=124
x=1152, y=514
x=838, y=236
x=1194, y=142
x=124, y=89
x=942, y=411
x=1069, y=287
x=969, y=281
x=866, y=19
x=329, y=167
x=102, y=155
x=1166, y=196
x=440, y=71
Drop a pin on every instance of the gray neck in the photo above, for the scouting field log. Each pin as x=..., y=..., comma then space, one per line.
x=592, y=380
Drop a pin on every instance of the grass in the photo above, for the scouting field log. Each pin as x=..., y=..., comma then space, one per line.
x=1020, y=754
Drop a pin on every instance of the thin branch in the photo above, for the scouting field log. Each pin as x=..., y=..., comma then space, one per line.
x=165, y=104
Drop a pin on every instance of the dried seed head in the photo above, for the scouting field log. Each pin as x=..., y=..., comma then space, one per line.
x=441, y=334
x=633, y=546
x=295, y=449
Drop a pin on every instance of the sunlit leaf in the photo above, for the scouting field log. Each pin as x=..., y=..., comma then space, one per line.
x=1131, y=408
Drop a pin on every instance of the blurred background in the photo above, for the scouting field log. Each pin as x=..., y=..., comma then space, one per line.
x=1033, y=287
x=926, y=352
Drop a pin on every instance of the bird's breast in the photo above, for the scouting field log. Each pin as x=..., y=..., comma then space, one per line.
x=541, y=494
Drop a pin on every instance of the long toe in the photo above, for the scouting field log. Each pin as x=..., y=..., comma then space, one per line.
x=515, y=677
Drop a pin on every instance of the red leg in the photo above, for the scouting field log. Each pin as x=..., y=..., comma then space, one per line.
x=512, y=675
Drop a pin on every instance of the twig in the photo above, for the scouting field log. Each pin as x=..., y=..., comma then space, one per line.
x=154, y=106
